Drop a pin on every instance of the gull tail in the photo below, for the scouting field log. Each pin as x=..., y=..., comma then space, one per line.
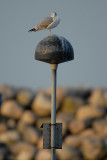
x=32, y=30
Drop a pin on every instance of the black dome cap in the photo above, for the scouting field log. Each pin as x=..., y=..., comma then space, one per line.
x=54, y=50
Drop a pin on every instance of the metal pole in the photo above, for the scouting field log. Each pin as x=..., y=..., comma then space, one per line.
x=0, y=103
x=53, y=112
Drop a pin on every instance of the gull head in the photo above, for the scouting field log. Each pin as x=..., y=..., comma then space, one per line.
x=53, y=14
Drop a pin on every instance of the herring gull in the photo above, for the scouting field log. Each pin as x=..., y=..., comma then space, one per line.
x=47, y=23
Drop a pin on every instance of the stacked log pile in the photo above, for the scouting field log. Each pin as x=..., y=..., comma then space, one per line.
x=82, y=110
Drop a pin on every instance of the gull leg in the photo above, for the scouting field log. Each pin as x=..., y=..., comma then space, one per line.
x=50, y=32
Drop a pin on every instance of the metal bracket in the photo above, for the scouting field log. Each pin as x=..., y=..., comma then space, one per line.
x=47, y=135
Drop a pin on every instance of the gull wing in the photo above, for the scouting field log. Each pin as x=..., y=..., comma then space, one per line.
x=44, y=23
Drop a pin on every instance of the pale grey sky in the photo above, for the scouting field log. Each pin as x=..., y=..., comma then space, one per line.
x=83, y=23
